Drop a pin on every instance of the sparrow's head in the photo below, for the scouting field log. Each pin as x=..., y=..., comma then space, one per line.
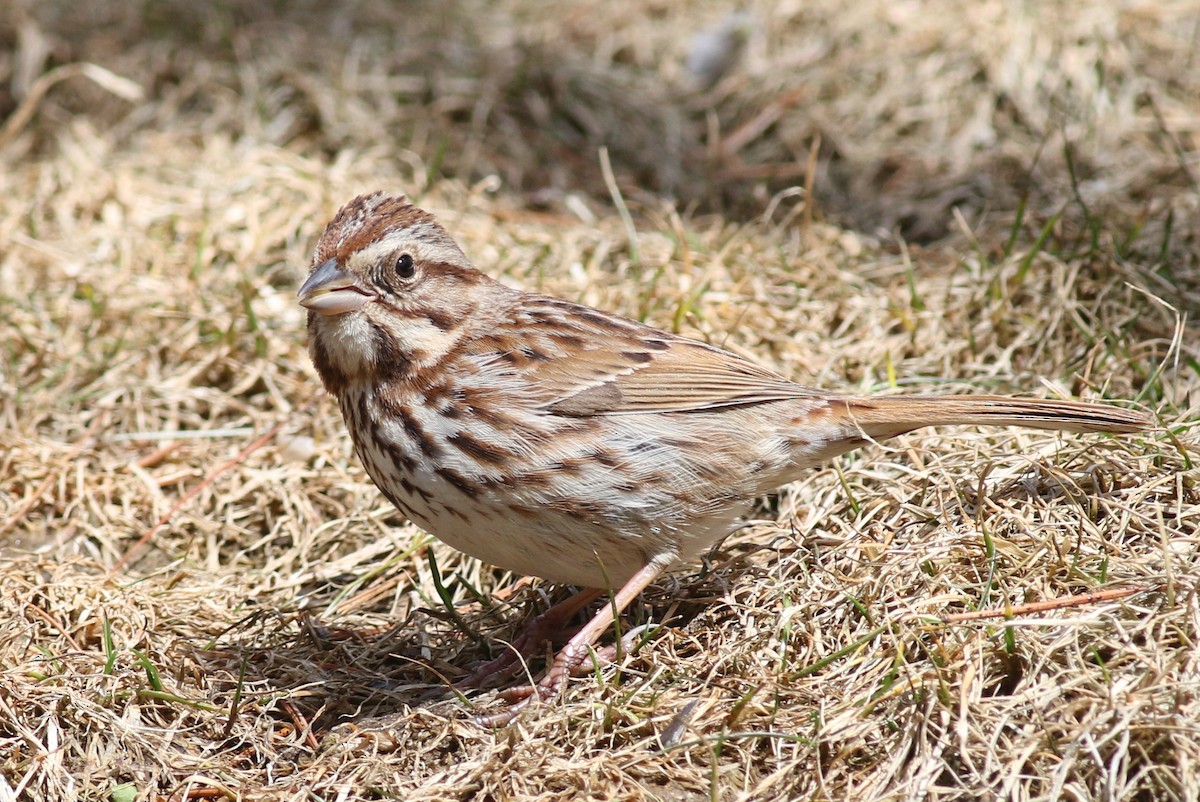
x=389, y=290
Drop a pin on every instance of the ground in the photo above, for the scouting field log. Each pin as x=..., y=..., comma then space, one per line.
x=202, y=596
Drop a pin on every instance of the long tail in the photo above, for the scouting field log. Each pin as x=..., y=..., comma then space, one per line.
x=887, y=416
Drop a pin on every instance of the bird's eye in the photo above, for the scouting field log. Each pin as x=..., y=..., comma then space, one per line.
x=405, y=268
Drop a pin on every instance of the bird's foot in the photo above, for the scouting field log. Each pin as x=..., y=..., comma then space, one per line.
x=569, y=663
x=548, y=626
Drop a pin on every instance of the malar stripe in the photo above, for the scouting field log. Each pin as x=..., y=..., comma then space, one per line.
x=442, y=320
x=389, y=360
x=332, y=376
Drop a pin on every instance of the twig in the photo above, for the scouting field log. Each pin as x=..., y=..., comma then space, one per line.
x=610, y=181
x=303, y=727
x=810, y=181
x=240, y=457
x=1043, y=606
x=25, y=505
x=33, y=609
x=205, y=792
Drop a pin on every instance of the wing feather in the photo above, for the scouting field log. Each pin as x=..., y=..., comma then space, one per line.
x=600, y=364
x=687, y=377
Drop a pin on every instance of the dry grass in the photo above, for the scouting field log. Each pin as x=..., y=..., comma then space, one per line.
x=1045, y=157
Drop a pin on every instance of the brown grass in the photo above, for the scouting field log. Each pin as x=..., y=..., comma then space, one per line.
x=1003, y=197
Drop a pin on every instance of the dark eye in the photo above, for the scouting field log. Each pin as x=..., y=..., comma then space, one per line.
x=405, y=267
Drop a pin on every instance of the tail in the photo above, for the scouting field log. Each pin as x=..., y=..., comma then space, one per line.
x=885, y=416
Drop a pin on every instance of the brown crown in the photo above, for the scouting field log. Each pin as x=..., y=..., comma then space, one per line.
x=368, y=218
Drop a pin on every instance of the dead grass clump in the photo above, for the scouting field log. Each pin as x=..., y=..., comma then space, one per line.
x=202, y=596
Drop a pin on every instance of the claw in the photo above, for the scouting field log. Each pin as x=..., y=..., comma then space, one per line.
x=577, y=650
x=544, y=628
x=521, y=697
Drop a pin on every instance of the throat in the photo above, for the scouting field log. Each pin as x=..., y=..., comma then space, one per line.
x=345, y=350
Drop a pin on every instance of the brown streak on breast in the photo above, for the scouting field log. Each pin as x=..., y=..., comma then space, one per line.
x=589, y=511
x=359, y=413
x=456, y=512
x=575, y=466
x=415, y=490
x=477, y=449
x=458, y=481
x=486, y=408
x=398, y=457
x=530, y=480
x=399, y=505
x=415, y=433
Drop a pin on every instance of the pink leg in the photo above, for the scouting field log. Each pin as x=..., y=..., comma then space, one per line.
x=541, y=629
x=575, y=651
x=609, y=654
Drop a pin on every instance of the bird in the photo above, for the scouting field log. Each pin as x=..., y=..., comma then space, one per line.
x=560, y=441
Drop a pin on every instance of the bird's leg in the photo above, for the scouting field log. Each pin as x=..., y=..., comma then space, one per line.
x=595, y=658
x=576, y=650
x=545, y=627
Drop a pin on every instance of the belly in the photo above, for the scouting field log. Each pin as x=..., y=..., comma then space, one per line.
x=587, y=504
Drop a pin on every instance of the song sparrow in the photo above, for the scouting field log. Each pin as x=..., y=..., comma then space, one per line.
x=557, y=440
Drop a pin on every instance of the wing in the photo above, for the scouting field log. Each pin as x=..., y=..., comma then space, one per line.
x=585, y=362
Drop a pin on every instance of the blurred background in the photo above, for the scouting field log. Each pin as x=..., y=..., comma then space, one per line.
x=892, y=114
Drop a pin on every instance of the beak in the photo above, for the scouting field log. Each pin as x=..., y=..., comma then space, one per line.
x=332, y=291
